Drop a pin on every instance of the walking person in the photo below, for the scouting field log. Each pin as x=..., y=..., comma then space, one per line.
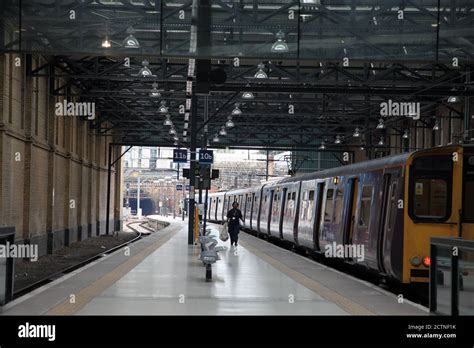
x=233, y=217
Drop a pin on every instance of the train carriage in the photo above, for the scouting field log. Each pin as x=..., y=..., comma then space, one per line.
x=391, y=207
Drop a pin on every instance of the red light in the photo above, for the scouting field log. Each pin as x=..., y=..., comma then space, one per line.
x=426, y=261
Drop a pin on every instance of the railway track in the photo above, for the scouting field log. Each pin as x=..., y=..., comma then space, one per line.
x=24, y=290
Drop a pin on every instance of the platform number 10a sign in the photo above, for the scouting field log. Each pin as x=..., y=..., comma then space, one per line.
x=180, y=156
x=206, y=157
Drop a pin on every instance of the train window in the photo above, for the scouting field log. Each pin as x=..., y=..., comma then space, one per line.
x=328, y=210
x=338, y=204
x=468, y=207
x=304, y=206
x=430, y=198
x=365, y=203
x=310, y=205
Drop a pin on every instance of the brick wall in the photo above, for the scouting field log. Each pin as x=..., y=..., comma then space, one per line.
x=46, y=161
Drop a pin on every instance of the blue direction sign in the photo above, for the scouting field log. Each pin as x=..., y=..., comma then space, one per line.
x=206, y=156
x=179, y=187
x=180, y=156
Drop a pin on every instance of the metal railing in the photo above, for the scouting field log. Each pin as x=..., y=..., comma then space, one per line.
x=451, y=276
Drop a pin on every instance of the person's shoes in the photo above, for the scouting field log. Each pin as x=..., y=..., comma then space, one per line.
x=235, y=244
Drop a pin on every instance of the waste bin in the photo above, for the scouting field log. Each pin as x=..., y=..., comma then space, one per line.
x=7, y=237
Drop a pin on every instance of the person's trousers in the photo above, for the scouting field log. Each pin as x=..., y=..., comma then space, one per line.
x=234, y=233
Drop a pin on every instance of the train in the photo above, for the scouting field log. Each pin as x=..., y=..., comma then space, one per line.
x=390, y=207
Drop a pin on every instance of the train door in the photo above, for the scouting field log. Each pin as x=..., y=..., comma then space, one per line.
x=384, y=218
x=283, y=203
x=318, y=214
x=351, y=211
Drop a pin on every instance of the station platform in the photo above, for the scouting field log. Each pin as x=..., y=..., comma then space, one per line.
x=162, y=275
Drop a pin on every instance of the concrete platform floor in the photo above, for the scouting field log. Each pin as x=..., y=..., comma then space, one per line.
x=161, y=275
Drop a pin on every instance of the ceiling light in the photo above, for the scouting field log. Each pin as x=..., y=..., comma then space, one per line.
x=163, y=109
x=362, y=147
x=338, y=140
x=131, y=41
x=280, y=45
x=405, y=134
x=229, y=123
x=356, y=133
x=223, y=132
x=236, y=110
x=322, y=146
x=175, y=138
x=247, y=95
x=261, y=74
x=175, y=143
x=381, y=124
x=216, y=138
x=145, y=71
x=106, y=43
x=168, y=122
x=453, y=99
x=154, y=91
x=436, y=126
x=381, y=141
x=172, y=131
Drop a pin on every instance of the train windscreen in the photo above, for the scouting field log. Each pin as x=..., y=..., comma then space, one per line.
x=430, y=188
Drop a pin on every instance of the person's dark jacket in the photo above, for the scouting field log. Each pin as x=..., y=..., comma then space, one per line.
x=234, y=215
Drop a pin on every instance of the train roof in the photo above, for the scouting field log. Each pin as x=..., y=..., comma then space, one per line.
x=360, y=167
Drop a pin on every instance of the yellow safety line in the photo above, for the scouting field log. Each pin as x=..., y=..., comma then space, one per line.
x=328, y=294
x=84, y=296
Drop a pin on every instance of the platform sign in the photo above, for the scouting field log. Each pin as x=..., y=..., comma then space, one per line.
x=206, y=156
x=180, y=156
x=179, y=187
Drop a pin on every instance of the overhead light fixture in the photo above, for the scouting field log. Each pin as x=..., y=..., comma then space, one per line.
x=145, y=71
x=223, y=132
x=163, y=109
x=338, y=140
x=131, y=41
x=381, y=124
x=207, y=143
x=172, y=131
x=236, y=110
x=381, y=141
x=155, y=93
x=168, y=121
x=247, y=95
x=362, y=147
x=453, y=99
x=322, y=146
x=436, y=126
x=106, y=43
x=175, y=138
x=280, y=45
x=405, y=134
x=216, y=138
x=229, y=123
x=356, y=133
x=261, y=74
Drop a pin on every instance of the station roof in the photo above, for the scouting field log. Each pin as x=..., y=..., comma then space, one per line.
x=317, y=69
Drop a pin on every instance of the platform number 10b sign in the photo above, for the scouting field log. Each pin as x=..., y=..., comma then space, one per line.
x=180, y=156
x=206, y=156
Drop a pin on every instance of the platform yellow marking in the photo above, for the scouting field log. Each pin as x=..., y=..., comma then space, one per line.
x=87, y=294
x=330, y=295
